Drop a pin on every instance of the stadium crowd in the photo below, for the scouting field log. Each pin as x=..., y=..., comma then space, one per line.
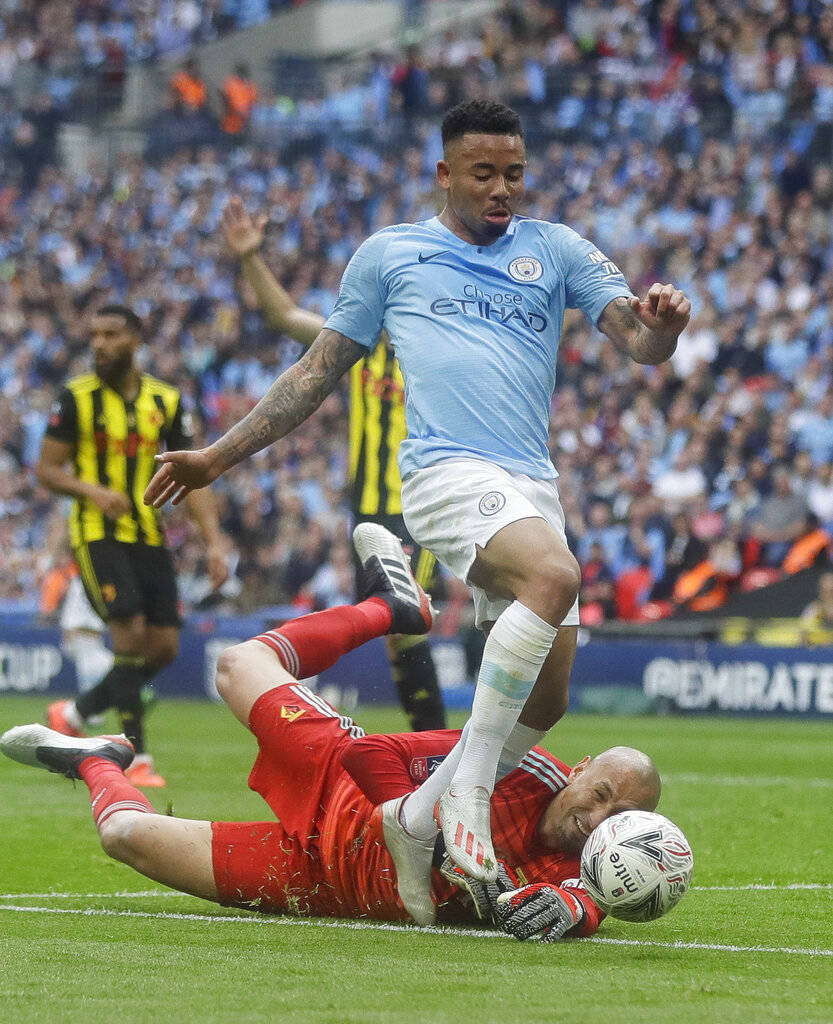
x=53, y=45
x=689, y=138
x=68, y=61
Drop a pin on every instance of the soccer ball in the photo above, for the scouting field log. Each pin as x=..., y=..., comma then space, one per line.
x=636, y=865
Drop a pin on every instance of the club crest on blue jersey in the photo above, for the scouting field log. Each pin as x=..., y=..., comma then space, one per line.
x=525, y=269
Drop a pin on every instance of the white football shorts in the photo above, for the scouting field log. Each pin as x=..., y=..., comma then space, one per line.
x=457, y=504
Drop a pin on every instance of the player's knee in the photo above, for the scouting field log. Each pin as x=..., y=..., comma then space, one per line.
x=129, y=637
x=120, y=836
x=555, y=583
x=163, y=652
x=229, y=668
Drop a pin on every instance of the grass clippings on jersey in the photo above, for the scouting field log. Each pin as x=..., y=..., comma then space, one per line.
x=86, y=937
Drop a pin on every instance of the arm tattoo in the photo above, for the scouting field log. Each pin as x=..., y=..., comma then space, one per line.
x=630, y=335
x=294, y=396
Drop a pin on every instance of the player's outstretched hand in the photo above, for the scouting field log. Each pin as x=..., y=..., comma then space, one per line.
x=217, y=564
x=538, y=910
x=483, y=895
x=112, y=503
x=244, y=233
x=179, y=473
x=664, y=309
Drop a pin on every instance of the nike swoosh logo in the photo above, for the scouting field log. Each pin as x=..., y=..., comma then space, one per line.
x=431, y=256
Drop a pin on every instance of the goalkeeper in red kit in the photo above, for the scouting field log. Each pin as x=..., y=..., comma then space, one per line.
x=330, y=787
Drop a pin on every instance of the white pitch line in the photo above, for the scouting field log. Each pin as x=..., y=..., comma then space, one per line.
x=141, y=894
x=716, y=947
x=264, y=920
x=766, y=887
x=89, y=895
x=362, y=925
x=746, y=780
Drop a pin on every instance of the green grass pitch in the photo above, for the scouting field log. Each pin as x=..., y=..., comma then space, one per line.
x=84, y=938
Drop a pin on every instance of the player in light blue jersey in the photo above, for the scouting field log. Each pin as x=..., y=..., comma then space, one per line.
x=473, y=301
x=477, y=330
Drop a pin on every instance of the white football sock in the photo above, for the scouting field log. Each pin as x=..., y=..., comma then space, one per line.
x=92, y=659
x=73, y=716
x=417, y=811
x=515, y=651
x=521, y=740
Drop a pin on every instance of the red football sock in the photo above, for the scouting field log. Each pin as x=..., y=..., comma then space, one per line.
x=109, y=790
x=308, y=645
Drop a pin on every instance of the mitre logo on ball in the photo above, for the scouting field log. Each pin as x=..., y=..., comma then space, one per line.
x=637, y=865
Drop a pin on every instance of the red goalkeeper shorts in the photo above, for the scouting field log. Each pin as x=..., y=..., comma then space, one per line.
x=275, y=866
x=259, y=866
x=301, y=738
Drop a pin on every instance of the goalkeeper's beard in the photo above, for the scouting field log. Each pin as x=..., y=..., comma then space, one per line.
x=566, y=840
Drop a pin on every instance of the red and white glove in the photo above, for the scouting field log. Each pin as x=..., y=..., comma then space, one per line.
x=540, y=910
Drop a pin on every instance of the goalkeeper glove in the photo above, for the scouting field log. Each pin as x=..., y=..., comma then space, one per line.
x=541, y=910
x=483, y=895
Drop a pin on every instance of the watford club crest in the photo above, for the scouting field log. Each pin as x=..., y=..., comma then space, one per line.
x=291, y=712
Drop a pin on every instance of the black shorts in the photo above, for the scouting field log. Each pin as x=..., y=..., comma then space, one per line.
x=123, y=580
x=423, y=563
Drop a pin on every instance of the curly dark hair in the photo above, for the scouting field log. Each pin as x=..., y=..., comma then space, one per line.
x=483, y=116
x=131, y=319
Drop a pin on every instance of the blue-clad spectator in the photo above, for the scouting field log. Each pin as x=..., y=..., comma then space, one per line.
x=785, y=355
x=608, y=535
x=816, y=433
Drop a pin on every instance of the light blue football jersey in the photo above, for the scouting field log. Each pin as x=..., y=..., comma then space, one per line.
x=476, y=332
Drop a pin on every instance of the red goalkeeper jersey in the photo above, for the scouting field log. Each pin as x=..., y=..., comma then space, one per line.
x=323, y=778
x=382, y=767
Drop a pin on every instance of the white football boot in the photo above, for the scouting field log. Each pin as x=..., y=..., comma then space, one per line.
x=412, y=859
x=466, y=821
x=41, y=747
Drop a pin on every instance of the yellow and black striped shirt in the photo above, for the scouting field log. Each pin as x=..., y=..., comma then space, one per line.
x=377, y=428
x=114, y=443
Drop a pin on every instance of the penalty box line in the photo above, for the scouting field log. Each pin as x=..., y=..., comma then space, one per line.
x=388, y=926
